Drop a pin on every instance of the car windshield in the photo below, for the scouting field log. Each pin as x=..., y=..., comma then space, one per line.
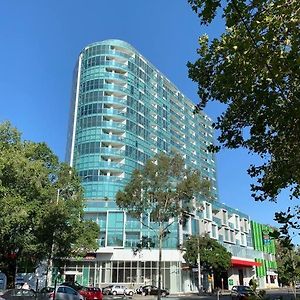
x=245, y=289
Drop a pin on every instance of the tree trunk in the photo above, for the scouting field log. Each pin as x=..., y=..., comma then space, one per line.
x=50, y=267
x=159, y=265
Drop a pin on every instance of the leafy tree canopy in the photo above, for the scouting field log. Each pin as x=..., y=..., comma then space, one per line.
x=253, y=68
x=41, y=204
x=164, y=189
x=288, y=263
x=212, y=254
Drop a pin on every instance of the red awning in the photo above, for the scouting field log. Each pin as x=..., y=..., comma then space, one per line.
x=245, y=263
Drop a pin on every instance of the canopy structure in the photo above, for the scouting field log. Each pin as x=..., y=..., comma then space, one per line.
x=244, y=263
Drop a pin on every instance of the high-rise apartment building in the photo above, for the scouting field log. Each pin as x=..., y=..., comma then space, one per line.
x=124, y=111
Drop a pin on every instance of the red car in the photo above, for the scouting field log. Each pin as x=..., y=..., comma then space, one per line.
x=89, y=293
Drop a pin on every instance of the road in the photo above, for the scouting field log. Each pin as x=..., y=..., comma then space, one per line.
x=275, y=294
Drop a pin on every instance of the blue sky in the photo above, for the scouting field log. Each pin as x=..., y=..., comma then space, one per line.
x=40, y=42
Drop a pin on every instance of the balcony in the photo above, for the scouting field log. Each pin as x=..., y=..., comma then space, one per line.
x=114, y=75
x=114, y=113
x=112, y=63
x=239, y=251
x=110, y=124
x=110, y=137
x=106, y=165
x=111, y=151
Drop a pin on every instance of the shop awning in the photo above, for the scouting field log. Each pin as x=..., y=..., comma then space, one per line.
x=244, y=263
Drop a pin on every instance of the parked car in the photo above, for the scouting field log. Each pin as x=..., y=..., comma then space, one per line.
x=88, y=293
x=117, y=289
x=153, y=290
x=139, y=290
x=18, y=294
x=44, y=293
x=91, y=293
x=64, y=292
x=239, y=292
x=106, y=290
x=46, y=289
x=129, y=292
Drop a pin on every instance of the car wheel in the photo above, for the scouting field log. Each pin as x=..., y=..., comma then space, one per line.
x=143, y=293
x=114, y=293
x=130, y=293
x=163, y=294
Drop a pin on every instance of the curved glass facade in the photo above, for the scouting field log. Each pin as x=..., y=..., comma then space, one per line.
x=124, y=111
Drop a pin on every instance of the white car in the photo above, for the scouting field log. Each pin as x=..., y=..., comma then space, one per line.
x=121, y=290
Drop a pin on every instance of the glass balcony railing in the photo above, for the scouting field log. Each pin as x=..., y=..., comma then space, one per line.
x=112, y=100
x=110, y=137
x=114, y=64
x=244, y=252
x=113, y=112
x=110, y=165
x=110, y=124
x=115, y=87
x=117, y=53
x=111, y=151
x=115, y=76
x=102, y=178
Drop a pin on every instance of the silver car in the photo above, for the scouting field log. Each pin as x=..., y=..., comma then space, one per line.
x=65, y=293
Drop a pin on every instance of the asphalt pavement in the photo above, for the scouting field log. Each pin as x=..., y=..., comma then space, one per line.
x=271, y=294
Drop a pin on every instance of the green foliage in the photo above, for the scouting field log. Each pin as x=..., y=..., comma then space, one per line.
x=41, y=204
x=288, y=262
x=253, y=68
x=212, y=254
x=164, y=189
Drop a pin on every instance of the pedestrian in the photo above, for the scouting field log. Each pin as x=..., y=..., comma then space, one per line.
x=253, y=284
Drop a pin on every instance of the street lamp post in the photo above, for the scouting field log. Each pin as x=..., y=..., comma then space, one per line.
x=50, y=261
x=199, y=268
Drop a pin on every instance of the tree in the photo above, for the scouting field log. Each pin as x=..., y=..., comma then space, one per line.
x=253, y=68
x=213, y=256
x=288, y=262
x=163, y=191
x=41, y=204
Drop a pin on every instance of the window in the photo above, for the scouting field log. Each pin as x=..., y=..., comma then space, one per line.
x=208, y=210
x=226, y=235
x=115, y=229
x=195, y=226
x=214, y=231
x=224, y=217
x=70, y=291
x=232, y=236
